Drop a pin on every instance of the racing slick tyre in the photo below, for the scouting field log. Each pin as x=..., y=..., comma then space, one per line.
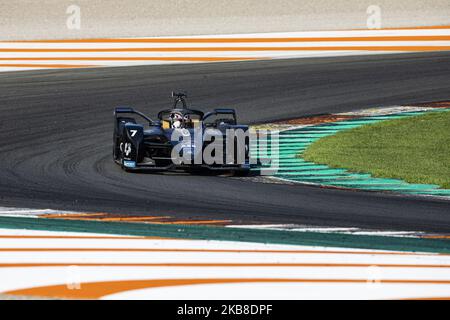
x=241, y=172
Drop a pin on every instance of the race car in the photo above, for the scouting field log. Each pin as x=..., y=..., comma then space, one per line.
x=181, y=138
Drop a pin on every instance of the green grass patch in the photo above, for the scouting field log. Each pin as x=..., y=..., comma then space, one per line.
x=416, y=149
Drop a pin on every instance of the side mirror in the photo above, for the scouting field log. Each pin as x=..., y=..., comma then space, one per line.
x=155, y=123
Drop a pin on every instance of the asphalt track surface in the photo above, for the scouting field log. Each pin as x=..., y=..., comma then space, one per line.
x=56, y=138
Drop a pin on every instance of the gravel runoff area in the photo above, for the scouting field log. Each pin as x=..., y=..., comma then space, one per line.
x=48, y=19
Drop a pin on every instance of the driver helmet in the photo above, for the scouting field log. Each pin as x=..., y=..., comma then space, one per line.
x=176, y=120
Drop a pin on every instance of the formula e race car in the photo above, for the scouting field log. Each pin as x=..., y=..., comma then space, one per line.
x=181, y=138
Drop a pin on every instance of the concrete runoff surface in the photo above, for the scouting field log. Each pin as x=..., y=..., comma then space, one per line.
x=47, y=19
x=57, y=126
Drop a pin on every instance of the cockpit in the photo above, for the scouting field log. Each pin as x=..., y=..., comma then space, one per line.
x=180, y=118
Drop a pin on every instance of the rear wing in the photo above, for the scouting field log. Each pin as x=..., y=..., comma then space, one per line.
x=123, y=110
x=128, y=110
x=220, y=111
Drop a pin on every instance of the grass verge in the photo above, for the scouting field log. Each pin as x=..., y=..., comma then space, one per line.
x=416, y=149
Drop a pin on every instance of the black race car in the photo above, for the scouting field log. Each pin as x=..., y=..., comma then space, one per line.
x=181, y=138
